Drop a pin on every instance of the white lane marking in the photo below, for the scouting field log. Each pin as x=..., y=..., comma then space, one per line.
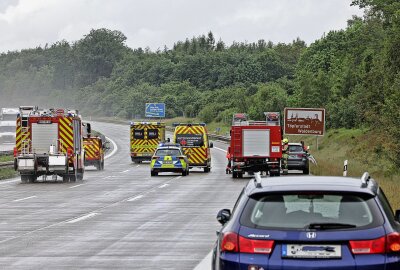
x=205, y=263
x=220, y=149
x=76, y=186
x=179, y=177
x=82, y=218
x=135, y=198
x=125, y=171
x=114, y=150
x=8, y=182
x=163, y=186
x=137, y=166
x=23, y=199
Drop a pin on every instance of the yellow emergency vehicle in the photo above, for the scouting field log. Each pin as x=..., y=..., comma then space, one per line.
x=145, y=137
x=195, y=144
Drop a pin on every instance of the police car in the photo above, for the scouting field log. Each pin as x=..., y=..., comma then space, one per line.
x=169, y=157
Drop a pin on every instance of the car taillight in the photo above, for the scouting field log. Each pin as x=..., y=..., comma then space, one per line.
x=389, y=243
x=393, y=242
x=255, y=246
x=230, y=242
x=374, y=246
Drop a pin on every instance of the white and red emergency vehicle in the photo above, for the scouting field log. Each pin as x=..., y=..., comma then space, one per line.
x=255, y=146
x=49, y=142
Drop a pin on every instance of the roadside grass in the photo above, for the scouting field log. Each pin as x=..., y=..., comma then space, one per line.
x=6, y=158
x=362, y=149
x=6, y=173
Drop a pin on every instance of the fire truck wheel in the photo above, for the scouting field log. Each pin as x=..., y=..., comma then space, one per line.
x=65, y=178
x=15, y=164
x=206, y=169
x=24, y=179
x=102, y=165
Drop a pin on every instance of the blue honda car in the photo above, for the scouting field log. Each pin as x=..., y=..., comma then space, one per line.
x=313, y=222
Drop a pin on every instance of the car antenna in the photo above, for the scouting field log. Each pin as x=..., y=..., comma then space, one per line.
x=365, y=179
x=257, y=180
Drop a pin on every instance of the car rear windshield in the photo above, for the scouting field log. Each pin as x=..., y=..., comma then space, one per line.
x=168, y=152
x=303, y=211
x=295, y=148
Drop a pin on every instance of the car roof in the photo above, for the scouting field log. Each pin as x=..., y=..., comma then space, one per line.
x=295, y=144
x=312, y=183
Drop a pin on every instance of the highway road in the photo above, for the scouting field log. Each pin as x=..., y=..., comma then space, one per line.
x=119, y=218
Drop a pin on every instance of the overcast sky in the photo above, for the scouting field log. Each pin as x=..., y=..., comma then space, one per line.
x=155, y=23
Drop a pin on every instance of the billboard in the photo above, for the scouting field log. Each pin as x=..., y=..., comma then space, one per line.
x=304, y=121
x=155, y=110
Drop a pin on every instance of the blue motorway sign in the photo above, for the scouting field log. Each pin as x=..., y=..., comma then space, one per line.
x=155, y=110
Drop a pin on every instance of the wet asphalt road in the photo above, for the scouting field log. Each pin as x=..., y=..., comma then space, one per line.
x=119, y=218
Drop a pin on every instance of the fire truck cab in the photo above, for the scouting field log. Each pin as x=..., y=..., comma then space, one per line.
x=255, y=146
x=95, y=147
x=49, y=143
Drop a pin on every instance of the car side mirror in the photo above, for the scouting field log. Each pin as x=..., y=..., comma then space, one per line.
x=211, y=145
x=106, y=145
x=88, y=128
x=397, y=216
x=223, y=216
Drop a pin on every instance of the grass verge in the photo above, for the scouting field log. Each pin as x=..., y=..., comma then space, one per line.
x=361, y=147
x=6, y=173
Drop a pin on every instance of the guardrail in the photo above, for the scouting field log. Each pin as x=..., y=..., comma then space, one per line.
x=6, y=164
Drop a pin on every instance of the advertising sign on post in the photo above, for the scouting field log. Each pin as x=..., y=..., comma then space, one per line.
x=304, y=121
x=155, y=110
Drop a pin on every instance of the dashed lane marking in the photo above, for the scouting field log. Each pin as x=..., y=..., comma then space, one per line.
x=135, y=198
x=23, y=199
x=163, y=186
x=76, y=186
x=82, y=218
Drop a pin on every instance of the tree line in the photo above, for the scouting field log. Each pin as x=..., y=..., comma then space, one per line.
x=353, y=73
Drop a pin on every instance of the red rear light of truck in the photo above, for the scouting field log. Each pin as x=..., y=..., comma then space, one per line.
x=15, y=151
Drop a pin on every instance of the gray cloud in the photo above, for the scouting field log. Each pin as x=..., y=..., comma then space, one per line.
x=155, y=23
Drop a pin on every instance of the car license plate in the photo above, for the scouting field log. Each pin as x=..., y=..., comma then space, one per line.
x=167, y=162
x=311, y=251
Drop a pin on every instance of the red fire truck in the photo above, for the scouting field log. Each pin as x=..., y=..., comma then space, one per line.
x=255, y=146
x=49, y=142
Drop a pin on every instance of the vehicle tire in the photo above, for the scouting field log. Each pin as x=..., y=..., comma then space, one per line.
x=153, y=173
x=240, y=175
x=187, y=172
x=24, y=179
x=184, y=173
x=102, y=165
x=65, y=178
x=234, y=174
x=306, y=170
x=206, y=169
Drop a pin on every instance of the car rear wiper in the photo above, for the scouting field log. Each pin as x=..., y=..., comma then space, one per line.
x=329, y=226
